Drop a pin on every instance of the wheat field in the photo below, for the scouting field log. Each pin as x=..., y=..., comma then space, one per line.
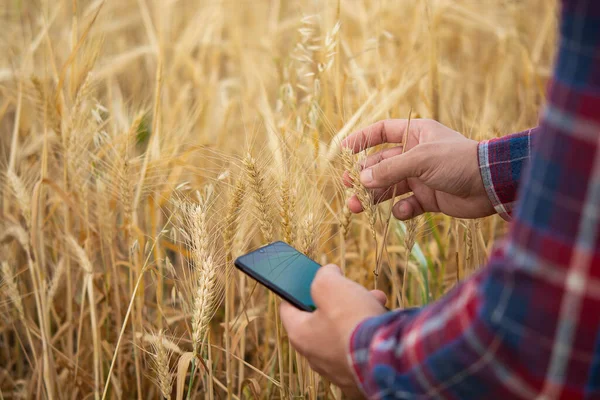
x=144, y=144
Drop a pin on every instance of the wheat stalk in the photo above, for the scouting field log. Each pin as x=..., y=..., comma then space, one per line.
x=231, y=218
x=229, y=230
x=409, y=242
x=86, y=265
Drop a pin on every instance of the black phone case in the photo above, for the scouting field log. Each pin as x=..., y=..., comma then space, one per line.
x=269, y=285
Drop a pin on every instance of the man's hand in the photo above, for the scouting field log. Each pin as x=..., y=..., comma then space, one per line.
x=439, y=166
x=323, y=336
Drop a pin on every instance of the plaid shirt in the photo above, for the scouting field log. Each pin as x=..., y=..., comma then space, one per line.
x=527, y=325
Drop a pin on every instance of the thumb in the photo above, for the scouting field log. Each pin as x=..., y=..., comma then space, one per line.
x=379, y=296
x=395, y=169
x=326, y=285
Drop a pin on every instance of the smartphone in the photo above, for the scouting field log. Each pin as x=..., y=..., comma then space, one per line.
x=284, y=270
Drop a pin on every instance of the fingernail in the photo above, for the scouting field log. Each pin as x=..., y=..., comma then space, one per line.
x=404, y=209
x=366, y=176
x=334, y=268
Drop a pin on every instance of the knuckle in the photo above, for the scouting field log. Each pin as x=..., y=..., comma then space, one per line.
x=386, y=170
x=382, y=129
x=422, y=152
x=384, y=123
x=317, y=368
x=295, y=338
x=323, y=279
x=428, y=126
x=320, y=283
x=430, y=123
x=423, y=156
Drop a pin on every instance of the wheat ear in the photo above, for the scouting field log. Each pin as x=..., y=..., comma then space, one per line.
x=409, y=242
x=309, y=236
x=257, y=185
x=160, y=363
x=346, y=216
x=206, y=270
x=124, y=175
x=21, y=194
x=287, y=210
x=361, y=192
x=57, y=279
x=11, y=290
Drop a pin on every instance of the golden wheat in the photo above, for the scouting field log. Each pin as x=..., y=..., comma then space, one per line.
x=258, y=187
x=12, y=291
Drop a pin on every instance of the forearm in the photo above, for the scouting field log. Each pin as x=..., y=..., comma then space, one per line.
x=498, y=332
x=502, y=162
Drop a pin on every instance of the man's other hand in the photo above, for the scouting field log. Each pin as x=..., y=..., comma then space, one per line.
x=439, y=166
x=323, y=336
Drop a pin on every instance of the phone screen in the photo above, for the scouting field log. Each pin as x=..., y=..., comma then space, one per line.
x=284, y=270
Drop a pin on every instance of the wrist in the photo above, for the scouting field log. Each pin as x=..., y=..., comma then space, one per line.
x=352, y=357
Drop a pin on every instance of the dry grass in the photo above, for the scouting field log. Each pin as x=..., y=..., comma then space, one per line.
x=145, y=144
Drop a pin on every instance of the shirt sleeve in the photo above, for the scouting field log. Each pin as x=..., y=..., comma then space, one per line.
x=501, y=163
x=528, y=324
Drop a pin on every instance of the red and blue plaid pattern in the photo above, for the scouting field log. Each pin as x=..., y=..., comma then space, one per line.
x=502, y=162
x=527, y=325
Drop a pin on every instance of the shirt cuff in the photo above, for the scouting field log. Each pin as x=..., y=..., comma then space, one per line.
x=501, y=163
x=362, y=343
x=503, y=209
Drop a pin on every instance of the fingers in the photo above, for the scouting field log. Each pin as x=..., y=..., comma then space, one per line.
x=386, y=131
x=292, y=316
x=393, y=170
x=379, y=195
x=379, y=296
x=294, y=321
x=407, y=208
